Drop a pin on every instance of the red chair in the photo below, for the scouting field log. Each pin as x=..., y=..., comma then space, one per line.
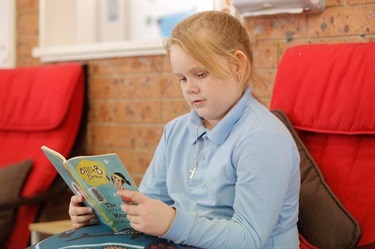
x=328, y=93
x=38, y=106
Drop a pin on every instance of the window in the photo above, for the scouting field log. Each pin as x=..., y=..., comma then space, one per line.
x=76, y=30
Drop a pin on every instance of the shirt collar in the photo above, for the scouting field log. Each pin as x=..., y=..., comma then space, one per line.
x=195, y=121
x=221, y=131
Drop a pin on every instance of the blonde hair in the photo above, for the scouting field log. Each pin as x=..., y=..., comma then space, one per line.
x=209, y=35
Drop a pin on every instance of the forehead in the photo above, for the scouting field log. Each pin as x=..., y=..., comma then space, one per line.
x=177, y=54
x=181, y=62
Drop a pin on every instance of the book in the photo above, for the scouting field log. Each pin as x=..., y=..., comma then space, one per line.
x=97, y=178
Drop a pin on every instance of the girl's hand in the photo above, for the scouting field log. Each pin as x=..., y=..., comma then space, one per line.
x=149, y=216
x=79, y=214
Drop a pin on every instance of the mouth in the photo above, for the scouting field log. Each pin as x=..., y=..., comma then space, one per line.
x=198, y=102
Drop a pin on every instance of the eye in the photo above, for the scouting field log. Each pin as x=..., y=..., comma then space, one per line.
x=202, y=74
x=182, y=79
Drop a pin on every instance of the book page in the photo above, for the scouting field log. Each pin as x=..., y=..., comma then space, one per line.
x=58, y=161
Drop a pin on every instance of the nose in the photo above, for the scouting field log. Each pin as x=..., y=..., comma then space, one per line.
x=191, y=86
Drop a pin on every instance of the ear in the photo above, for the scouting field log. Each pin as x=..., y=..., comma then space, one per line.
x=242, y=61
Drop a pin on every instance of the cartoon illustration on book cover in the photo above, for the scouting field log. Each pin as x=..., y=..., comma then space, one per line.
x=119, y=180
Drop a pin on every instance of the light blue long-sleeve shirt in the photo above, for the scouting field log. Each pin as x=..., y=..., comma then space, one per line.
x=245, y=191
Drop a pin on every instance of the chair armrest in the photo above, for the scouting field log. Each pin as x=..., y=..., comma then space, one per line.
x=54, y=191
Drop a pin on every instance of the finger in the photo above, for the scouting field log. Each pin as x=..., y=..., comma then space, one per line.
x=136, y=196
x=133, y=220
x=130, y=209
x=79, y=211
x=76, y=200
x=129, y=217
x=86, y=217
x=77, y=225
x=83, y=218
x=75, y=205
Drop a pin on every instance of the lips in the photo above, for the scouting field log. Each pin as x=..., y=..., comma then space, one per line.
x=198, y=102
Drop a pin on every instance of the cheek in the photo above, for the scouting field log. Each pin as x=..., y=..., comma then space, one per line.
x=187, y=99
x=186, y=95
x=227, y=97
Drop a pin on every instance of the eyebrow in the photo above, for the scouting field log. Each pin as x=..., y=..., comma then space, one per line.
x=191, y=70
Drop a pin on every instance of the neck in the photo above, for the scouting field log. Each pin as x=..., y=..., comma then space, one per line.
x=208, y=125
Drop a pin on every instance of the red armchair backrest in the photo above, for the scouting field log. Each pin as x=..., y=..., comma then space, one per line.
x=328, y=92
x=38, y=106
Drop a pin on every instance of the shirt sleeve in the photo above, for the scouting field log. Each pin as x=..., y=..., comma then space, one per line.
x=267, y=178
x=154, y=181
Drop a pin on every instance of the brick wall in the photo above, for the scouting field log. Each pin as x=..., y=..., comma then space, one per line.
x=131, y=98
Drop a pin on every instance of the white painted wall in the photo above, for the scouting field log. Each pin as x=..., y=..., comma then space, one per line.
x=7, y=34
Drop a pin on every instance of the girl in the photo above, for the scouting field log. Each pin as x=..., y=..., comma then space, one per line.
x=225, y=175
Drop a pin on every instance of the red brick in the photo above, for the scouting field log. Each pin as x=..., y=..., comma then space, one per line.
x=145, y=86
x=140, y=86
x=27, y=5
x=27, y=62
x=102, y=111
x=137, y=111
x=166, y=64
x=357, y=2
x=265, y=55
x=277, y=26
x=104, y=66
x=148, y=137
x=170, y=87
x=113, y=136
x=25, y=45
x=330, y=3
x=27, y=23
x=102, y=87
x=342, y=22
x=139, y=64
x=173, y=109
